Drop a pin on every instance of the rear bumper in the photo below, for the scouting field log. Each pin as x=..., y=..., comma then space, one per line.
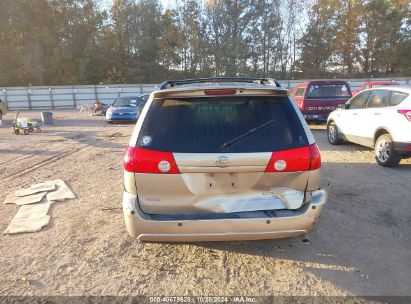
x=125, y=117
x=143, y=227
x=316, y=117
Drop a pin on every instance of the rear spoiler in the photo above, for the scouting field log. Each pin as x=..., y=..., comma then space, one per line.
x=184, y=92
x=263, y=81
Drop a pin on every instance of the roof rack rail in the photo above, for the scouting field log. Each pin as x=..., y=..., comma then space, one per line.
x=172, y=83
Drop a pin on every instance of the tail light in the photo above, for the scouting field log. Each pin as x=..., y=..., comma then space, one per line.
x=315, y=157
x=302, y=104
x=299, y=159
x=406, y=113
x=149, y=161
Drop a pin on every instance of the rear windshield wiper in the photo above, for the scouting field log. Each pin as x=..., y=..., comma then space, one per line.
x=246, y=134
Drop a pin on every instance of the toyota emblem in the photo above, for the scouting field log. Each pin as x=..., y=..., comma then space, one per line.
x=222, y=161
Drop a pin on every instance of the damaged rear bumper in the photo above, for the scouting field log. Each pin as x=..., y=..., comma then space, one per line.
x=249, y=226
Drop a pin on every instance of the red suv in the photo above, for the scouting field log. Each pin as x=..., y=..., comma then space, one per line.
x=316, y=99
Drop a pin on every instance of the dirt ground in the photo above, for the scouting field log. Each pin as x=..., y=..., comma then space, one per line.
x=360, y=247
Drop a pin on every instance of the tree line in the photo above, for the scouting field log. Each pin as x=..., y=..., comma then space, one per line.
x=56, y=42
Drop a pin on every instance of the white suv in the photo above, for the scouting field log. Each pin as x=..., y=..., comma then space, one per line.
x=378, y=118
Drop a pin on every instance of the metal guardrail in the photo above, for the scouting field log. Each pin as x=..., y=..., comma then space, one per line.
x=32, y=98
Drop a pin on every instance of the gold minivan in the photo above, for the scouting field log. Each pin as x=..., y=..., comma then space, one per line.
x=221, y=159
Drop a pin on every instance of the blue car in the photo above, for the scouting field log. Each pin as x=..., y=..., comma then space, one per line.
x=126, y=108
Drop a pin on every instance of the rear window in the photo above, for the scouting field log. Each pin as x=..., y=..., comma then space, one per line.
x=328, y=91
x=397, y=98
x=378, y=99
x=299, y=92
x=203, y=125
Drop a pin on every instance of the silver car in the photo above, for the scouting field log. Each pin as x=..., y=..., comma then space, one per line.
x=221, y=159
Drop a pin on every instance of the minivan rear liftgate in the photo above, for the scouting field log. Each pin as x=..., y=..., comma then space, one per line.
x=224, y=155
x=221, y=166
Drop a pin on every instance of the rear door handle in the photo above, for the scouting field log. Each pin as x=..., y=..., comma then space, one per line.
x=377, y=113
x=354, y=113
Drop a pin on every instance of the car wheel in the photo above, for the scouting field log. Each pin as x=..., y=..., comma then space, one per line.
x=385, y=155
x=332, y=134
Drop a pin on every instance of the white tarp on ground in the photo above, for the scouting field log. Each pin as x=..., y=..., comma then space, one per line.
x=30, y=199
x=42, y=187
x=63, y=192
x=24, y=200
x=32, y=215
x=10, y=199
x=30, y=218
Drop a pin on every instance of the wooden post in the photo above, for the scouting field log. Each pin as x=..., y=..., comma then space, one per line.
x=73, y=92
x=51, y=97
x=95, y=93
x=28, y=97
x=5, y=98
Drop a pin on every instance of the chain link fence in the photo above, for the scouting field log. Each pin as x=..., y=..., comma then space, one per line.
x=32, y=98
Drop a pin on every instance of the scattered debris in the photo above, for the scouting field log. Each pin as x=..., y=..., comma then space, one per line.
x=63, y=192
x=10, y=199
x=32, y=215
x=30, y=218
x=84, y=108
x=24, y=200
x=47, y=186
x=30, y=199
x=115, y=134
x=365, y=276
x=306, y=242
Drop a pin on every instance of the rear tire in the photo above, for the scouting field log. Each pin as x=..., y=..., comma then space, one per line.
x=385, y=155
x=333, y=135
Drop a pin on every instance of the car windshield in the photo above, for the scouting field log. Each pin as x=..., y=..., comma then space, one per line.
x=127, y=102
x=328, y=91
x=195, y=125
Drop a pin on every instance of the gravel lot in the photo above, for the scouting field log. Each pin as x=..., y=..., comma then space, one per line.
x=361, y=245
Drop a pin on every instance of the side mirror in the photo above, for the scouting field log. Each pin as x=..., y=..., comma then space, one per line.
x=344, y=106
